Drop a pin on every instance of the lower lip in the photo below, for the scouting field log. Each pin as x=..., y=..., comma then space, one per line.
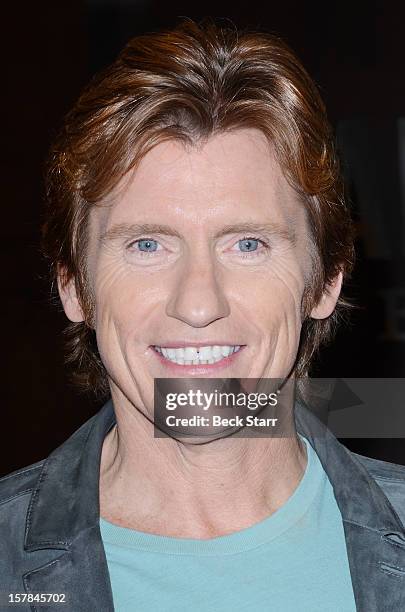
x=198, y=370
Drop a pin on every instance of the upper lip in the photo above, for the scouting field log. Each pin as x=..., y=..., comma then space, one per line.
x=182, y=344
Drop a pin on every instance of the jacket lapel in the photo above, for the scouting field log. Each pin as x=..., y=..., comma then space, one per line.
x=80, y=573
x=377, y=566
x=63, y=518
x=375, y=536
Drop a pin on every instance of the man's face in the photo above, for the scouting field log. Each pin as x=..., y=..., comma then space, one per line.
x=202, y=247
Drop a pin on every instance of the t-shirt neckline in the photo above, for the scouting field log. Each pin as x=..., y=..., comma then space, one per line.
x=251, y=537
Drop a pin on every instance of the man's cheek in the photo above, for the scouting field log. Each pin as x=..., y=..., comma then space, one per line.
x=111, y=278
x=291, y=294
x=284, y=299
x=290, y=272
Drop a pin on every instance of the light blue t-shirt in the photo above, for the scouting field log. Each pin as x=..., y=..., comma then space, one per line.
x=293, y=561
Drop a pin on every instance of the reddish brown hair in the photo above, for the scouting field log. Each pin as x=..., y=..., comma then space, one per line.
x=190, y=83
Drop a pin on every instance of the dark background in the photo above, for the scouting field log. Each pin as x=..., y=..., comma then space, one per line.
x=354, y=51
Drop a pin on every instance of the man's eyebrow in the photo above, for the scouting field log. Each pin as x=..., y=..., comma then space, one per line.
x=267, y=229
x=128, y=230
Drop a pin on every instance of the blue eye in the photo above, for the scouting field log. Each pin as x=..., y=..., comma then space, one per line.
x=147, y=245
x=248, y=244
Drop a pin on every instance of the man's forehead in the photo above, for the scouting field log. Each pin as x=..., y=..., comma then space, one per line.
x=231, y=176
x=229, y=161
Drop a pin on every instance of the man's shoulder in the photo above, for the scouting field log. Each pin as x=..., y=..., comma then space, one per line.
x=16, y=491
x=22, y=481
x=382, y=470
x=390, y=477
x=19, y=482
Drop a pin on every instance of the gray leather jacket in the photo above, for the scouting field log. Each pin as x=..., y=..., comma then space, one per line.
x=49, y=522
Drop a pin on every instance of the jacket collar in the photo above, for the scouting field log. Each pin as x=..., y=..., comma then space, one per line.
x=358, y=496
x=64, y=513
x=374, y=534
x=66, y=498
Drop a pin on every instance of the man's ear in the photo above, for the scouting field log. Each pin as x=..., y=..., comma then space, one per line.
x=69, y=298
x=327, y=303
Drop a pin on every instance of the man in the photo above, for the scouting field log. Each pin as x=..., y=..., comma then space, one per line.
x=197, y=229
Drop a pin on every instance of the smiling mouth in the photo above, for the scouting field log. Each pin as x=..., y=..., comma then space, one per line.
x=202, y=355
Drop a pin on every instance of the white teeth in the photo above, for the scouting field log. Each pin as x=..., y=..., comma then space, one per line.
x=190, y=353
x=197, y=356
x=216, y=351
x=205, y=352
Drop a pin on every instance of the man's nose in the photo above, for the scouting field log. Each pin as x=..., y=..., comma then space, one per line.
x=198, y=298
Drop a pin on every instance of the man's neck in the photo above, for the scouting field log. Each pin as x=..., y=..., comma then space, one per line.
x=171, y=488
